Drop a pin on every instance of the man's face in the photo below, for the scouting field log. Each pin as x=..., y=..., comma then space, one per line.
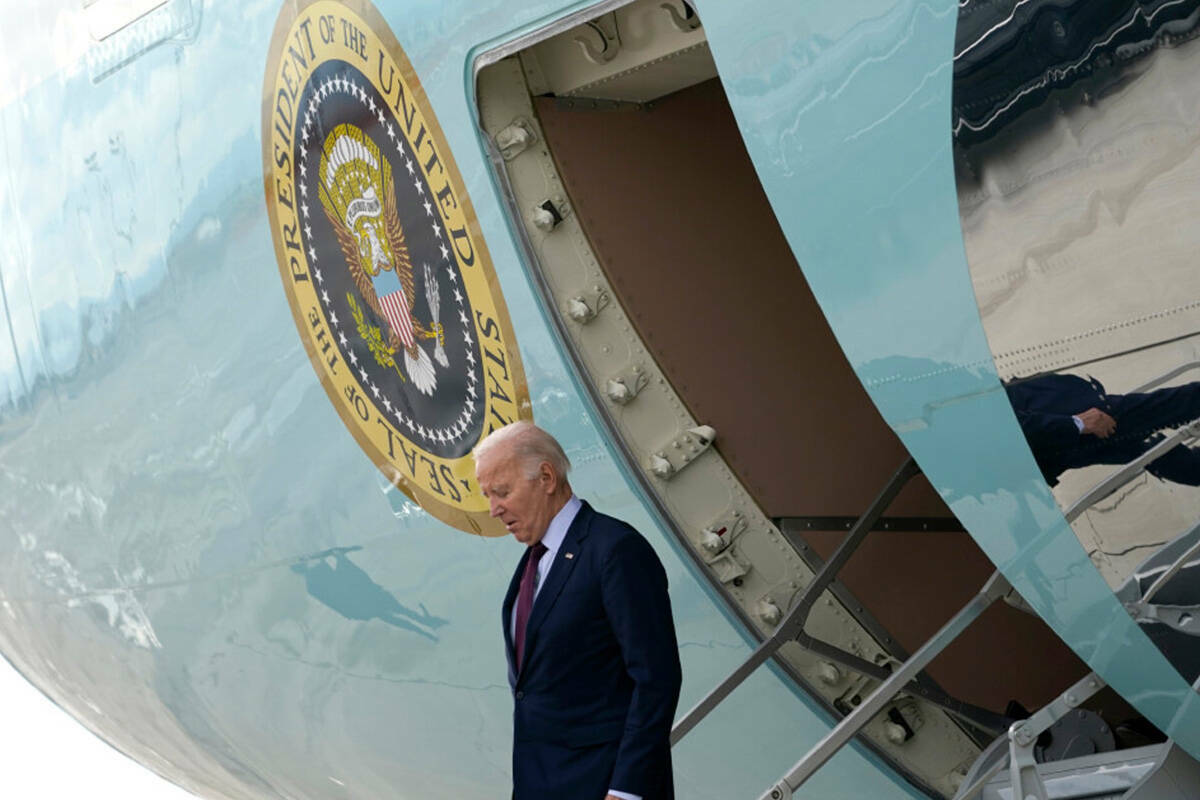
x=524, y=505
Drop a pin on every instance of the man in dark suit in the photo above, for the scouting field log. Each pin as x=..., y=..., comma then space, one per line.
x=1072, y=422
x=592, y=657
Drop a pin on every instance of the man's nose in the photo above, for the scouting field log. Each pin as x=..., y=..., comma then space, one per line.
x=494, y=507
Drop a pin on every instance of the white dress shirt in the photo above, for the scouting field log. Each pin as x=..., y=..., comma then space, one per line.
x=555, y=533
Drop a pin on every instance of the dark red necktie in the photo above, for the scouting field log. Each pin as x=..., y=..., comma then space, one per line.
x=525, y=598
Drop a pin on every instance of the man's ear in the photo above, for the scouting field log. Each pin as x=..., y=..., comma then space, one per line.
x=547, y=477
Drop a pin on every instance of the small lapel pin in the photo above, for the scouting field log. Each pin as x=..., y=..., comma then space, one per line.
x=568, y=555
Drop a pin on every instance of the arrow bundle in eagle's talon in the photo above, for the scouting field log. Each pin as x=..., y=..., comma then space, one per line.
x=434, y=298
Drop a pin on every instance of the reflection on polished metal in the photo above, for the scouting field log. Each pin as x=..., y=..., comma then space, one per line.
x=1169, y=576
x=1075, y=133
x=995, y=588
x=1166, y=377
x=1009, y=56
x=124, y=32
x=1140, y=530
x=1170, y=572
x=1134, y=468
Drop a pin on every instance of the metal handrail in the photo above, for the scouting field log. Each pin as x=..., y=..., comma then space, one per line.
x=1131, y=470
x=1161, y=379
x=1173, y=615
x=902, y=678
x=1022, y=735
x=995, y=588
x=792, y=626
x=1171, y=572
x=1025, y=781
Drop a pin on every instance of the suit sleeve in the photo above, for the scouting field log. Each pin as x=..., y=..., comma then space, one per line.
x=634, y=587
x=1047, y=433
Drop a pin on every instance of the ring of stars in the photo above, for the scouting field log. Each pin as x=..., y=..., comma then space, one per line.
x=459, y=427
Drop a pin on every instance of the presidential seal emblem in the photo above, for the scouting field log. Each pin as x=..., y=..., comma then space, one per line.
x=381, y=258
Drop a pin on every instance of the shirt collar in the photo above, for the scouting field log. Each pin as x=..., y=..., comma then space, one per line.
x=557, y=530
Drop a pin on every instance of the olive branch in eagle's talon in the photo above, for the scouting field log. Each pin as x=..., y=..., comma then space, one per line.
x=373, y=336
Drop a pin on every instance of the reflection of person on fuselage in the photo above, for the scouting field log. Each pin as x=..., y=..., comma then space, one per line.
x=333, y=579
x=1072, y=422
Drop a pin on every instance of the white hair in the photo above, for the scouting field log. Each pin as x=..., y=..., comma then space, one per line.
x=528, y=443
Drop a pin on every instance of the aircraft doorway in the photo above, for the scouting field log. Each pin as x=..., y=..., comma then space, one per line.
x=666, y=274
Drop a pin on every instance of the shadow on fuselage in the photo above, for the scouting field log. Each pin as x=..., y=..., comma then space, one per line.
x=335, y=581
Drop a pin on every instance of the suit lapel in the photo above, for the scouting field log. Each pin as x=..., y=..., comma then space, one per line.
x=559, y=573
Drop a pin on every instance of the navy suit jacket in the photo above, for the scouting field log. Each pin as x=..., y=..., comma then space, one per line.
x=596, y=694
x=1044, y=407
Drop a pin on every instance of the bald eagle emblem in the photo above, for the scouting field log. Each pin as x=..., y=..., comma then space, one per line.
x=359, y=198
